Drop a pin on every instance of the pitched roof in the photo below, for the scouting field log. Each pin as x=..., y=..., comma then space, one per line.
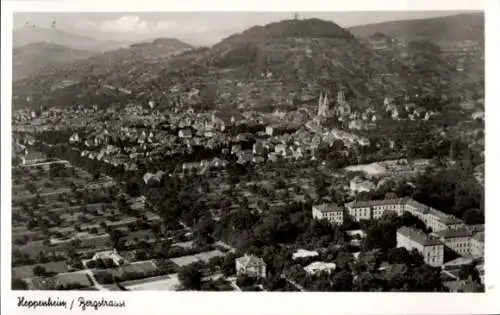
x=320, y=266
x=452, y=233
x=249, y=260
x=328, y=207
x=418, y=236
x=304, y=253
x=372, y=203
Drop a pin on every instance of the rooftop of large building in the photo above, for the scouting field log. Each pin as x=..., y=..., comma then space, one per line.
x=328, y=207
x=452, y=233
x=418, y=236
x=406, y=201
x=372, y=203
x=301, y=253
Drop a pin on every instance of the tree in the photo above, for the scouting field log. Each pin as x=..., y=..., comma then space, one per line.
x=190, y=276
x=467, y=271
x=115, y=237
x=30, y=187
x=42, y=257
x=141, y=255
x=473, y=216
x=18, y=284
x=342, y=281
x=366, y=282
x=99, y=264
x=371, y=260
x=245, y=281
x=202, y=232
x=380, y=235
x=228, y=265
x=91, y=264
x=399, y=255
x=415, y=258
x=426, y=279
x=39, y=271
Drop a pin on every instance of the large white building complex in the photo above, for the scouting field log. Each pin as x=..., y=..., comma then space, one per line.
x=477, y=245
x=331, y=212
x=457, y=240
x=431, y=249
x=375, y=209
x=447, y=230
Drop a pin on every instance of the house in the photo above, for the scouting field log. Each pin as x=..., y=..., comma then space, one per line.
x=478, y=115
x=185, y=133
x=431, y=249
x=143, y=138
x=258, y=159
x=420, y=112
x=409, y=107
x=226, y=118
x=244, y=157
x=319, y=266
x=357, y=184
x=297, y=154
x=357, y=124
x=356, y=233
x=272, y=156
x=110, y=254
x=364, y=142
x=153, y=177
x=74, y=138
x=259, y=149
x=236, y=148
x=251, y=266
x=331, y=212
x=281, y=128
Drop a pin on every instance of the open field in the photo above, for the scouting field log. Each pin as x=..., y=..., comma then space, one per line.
x=164, y=283
x=50, y=267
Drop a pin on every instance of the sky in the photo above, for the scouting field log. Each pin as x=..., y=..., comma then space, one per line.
x=198, y=28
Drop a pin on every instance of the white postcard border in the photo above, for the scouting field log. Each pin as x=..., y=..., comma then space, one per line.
x=270, y=303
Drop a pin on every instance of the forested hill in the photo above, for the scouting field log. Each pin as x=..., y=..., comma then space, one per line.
x=467, y=26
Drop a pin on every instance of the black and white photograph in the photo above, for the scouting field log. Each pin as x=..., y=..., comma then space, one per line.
x=243, y=151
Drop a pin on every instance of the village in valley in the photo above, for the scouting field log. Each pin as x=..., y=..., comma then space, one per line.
x=262, y=163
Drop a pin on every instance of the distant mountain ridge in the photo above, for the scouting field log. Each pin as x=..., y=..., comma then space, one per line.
x=172, y=43
x=29, y=35
x=467, y=26
x=35, y=57
x=308, y=52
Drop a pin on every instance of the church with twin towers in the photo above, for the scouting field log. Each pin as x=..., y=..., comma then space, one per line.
x=341, y=105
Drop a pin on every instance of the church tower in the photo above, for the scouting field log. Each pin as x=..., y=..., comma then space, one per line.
x=323, y=104
x=340, y=97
